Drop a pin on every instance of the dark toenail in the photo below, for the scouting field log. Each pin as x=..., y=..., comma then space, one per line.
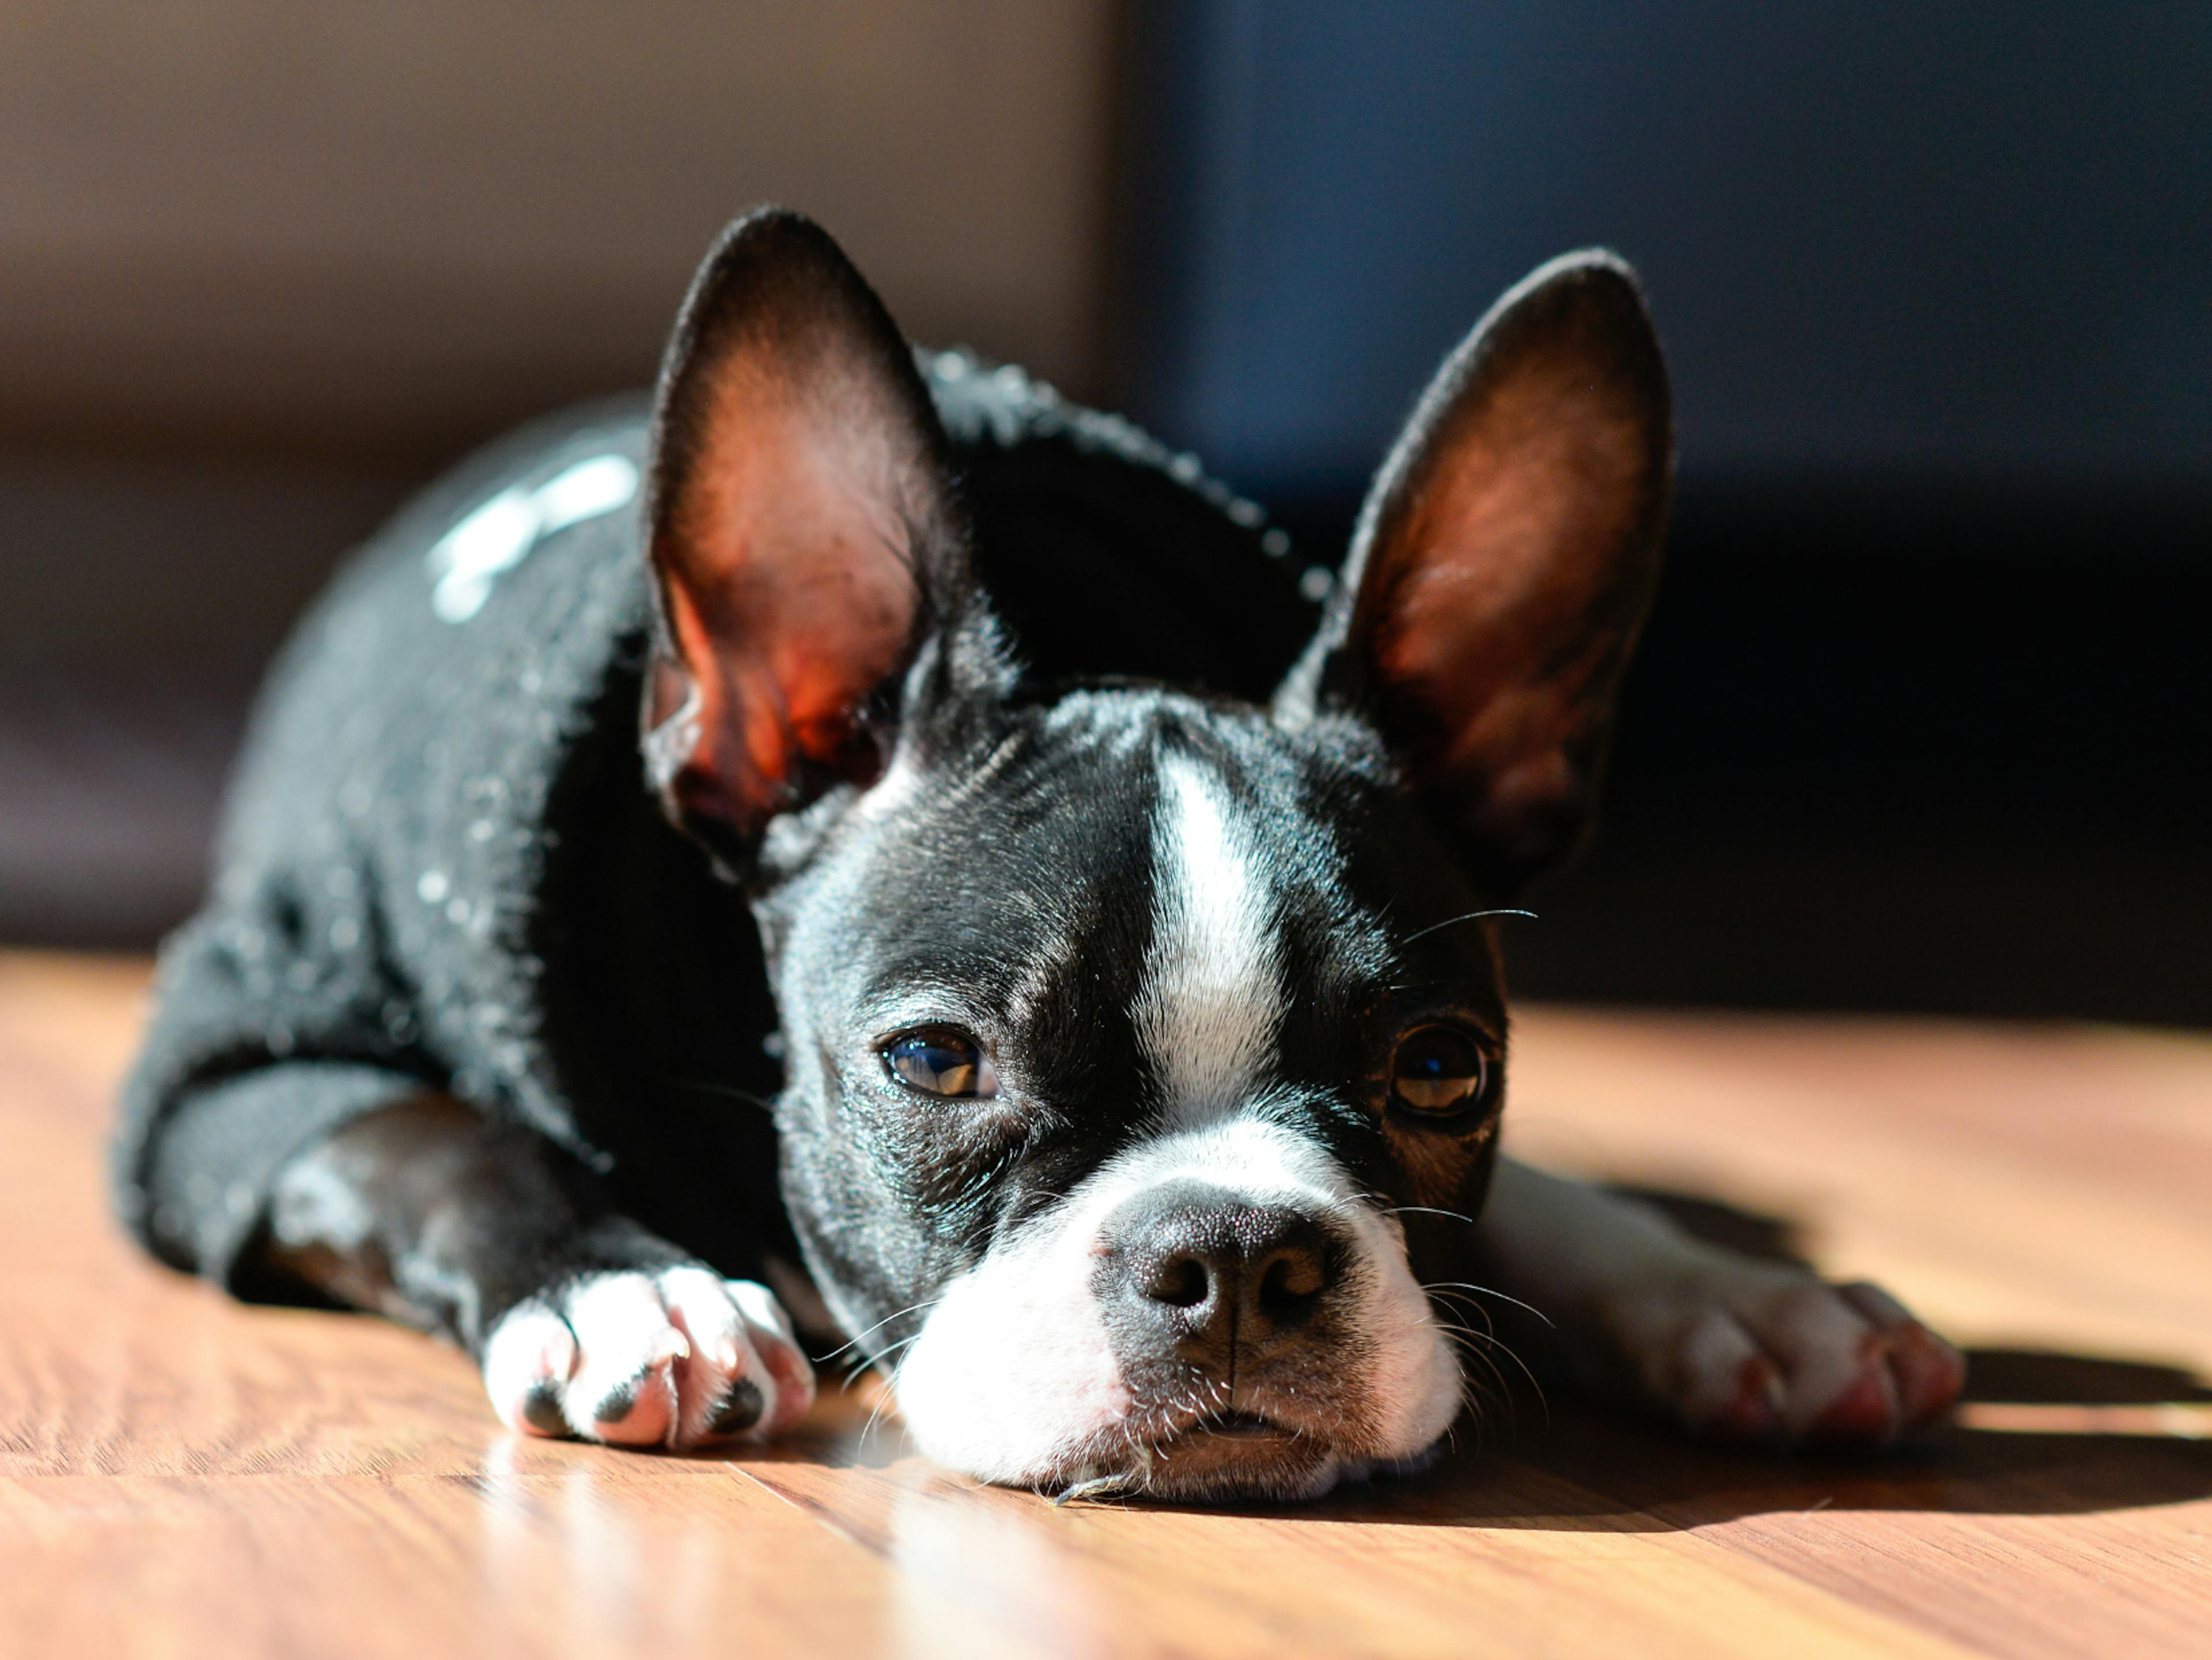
x=617, y=1402
x=740, y=1409
x=541, y=1408
x=1753, y=1413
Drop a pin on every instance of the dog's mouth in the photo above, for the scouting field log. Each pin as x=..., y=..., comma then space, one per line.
x=1230, y=1456
x=1249, y=1427
x=1224, y=1455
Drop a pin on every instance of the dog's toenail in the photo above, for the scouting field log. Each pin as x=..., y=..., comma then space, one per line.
x=1866, y=1410
x=617, y=1402
x=1756, y=1413
x=740, y=1409
x=541, y=1408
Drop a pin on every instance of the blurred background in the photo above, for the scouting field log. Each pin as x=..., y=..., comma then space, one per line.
x=1924, y=720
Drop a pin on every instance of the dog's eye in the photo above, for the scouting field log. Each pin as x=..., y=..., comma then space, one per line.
x=1439, y=1071
x=940, y=1061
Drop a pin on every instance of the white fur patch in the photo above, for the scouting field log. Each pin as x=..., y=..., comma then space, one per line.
x=500, y=534
x=1014, y=1378
x=1212, y=990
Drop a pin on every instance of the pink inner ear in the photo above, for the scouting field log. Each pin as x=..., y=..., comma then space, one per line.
x=1492, y=615
x=791, y=590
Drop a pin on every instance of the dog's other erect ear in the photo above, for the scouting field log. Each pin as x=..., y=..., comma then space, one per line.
x=1504, y=564
x=802, y=527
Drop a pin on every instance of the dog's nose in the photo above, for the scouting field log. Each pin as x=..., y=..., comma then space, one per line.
x=1212, y=1275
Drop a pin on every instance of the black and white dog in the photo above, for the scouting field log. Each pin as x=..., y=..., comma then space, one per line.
x=1143, y=1046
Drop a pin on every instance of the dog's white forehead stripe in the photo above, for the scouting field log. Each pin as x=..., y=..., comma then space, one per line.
x=1213, y=988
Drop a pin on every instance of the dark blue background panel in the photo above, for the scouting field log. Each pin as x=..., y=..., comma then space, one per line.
x=1917, y=240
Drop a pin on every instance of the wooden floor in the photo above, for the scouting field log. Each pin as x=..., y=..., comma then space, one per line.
x=182, y=1477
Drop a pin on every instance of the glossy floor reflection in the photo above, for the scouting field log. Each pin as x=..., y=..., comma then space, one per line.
x=180, y=1476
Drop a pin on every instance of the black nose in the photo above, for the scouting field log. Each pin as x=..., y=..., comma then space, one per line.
x=1212, y=1276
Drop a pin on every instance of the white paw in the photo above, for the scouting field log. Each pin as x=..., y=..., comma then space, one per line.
x=675, y=1358
x=1750, y=1351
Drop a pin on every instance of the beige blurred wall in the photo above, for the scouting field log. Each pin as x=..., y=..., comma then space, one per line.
x=387, y=228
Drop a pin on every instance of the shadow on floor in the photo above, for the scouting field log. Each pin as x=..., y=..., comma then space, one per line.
x=2098, y=1443
x=2038, y=1433
x=2093, y=1435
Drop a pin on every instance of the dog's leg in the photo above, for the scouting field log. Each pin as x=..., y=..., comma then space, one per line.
x=1727, y=1344
x=584, y=1322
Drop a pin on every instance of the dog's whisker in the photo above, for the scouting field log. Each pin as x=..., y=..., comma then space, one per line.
x=1491, y=1342
x=1428, y=1210
x=731, y=1091
x=1467, y=916
x=883, y=1366
x=1460, y=1301
x=858, y=1338
x=1496, y=1346
x=1483, y=1346
x=882, y=1405
x=1493, y=1346
x=1491, y=1291
x=1477, y=1355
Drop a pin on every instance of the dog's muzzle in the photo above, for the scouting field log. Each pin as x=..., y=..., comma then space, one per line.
x=1217, y=1316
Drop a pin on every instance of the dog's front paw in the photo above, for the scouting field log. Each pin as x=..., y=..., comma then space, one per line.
x=1746, y=1351
x=675, y=1358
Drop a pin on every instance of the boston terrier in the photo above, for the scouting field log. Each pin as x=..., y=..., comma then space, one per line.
x=861, y=840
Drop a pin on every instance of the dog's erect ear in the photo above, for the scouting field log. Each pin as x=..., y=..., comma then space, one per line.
x=802, y=529
x=1504, y=564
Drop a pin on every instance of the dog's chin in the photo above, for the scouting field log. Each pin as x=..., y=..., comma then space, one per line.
x=1231, y=1458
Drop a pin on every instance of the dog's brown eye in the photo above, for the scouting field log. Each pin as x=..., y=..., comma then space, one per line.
x=939, y=1062
x=1439, y=1071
